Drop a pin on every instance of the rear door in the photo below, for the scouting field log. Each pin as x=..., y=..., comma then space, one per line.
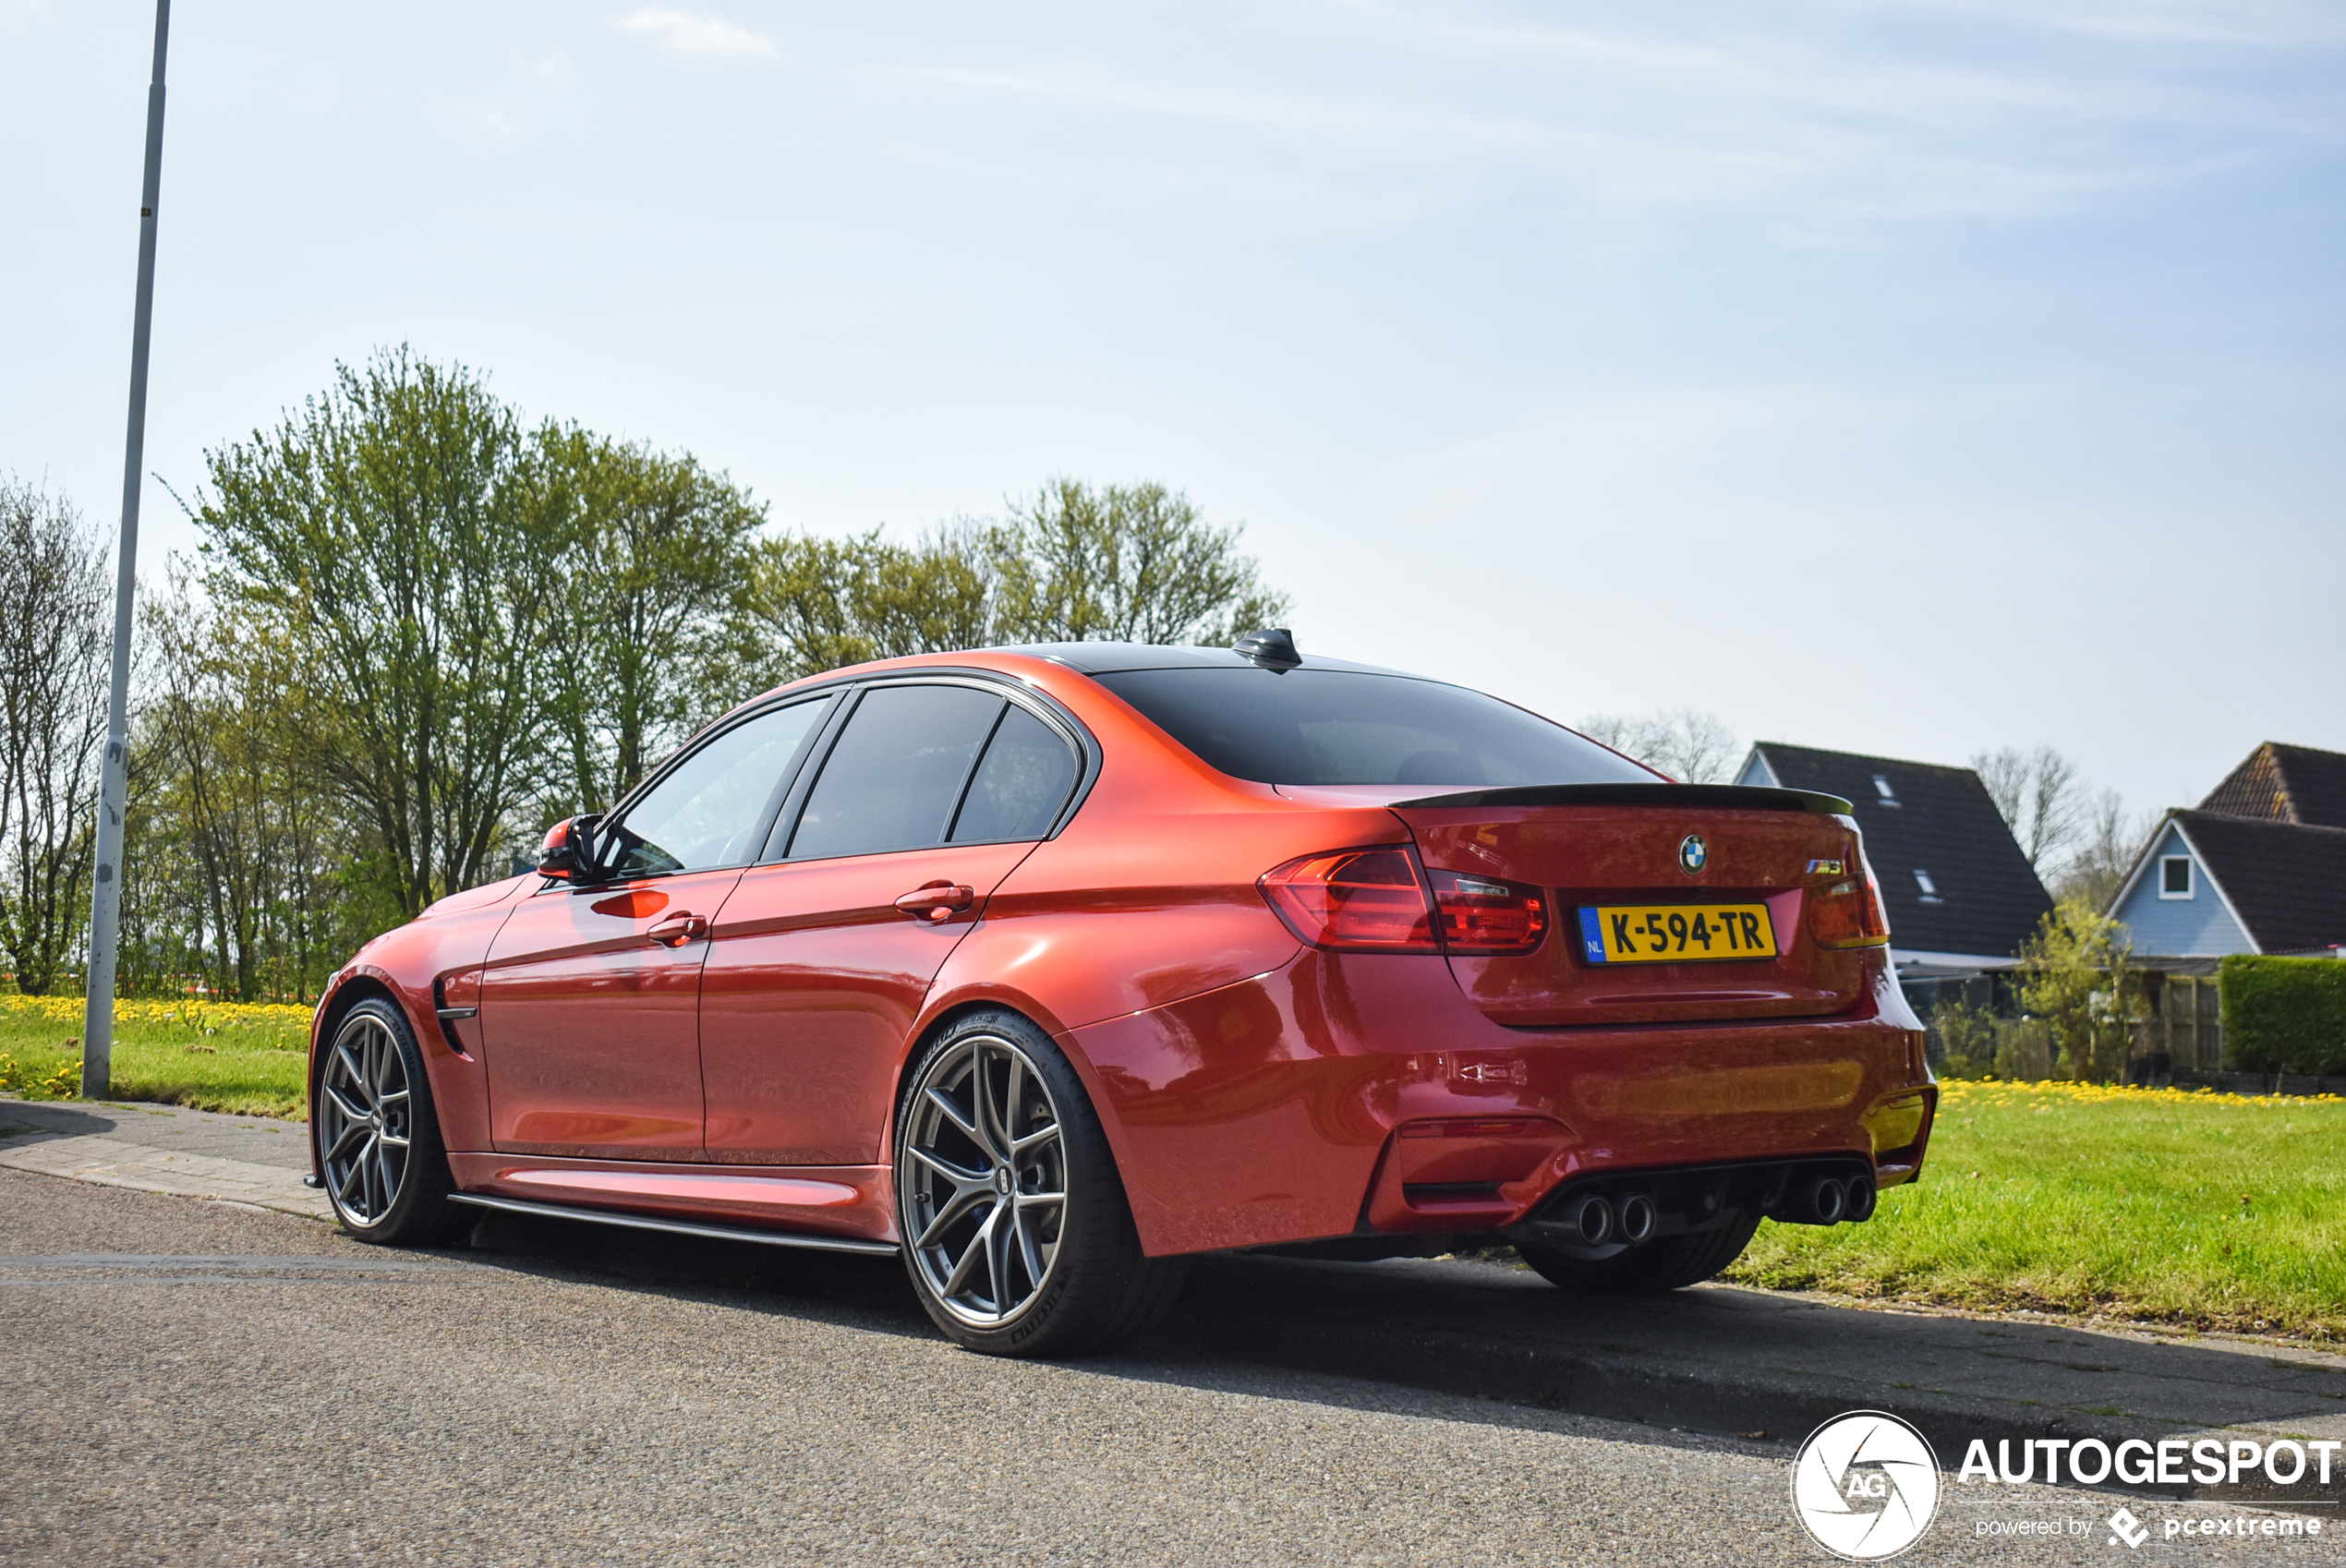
x=823, y=956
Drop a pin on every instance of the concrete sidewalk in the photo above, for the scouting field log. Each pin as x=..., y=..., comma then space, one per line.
x=167, y=1149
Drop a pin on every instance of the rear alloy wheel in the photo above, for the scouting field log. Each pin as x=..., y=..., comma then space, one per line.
x=377, y=1142
x=1016, y=1231
x=1670, y=1262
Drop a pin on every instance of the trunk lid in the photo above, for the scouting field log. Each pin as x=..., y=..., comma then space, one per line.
x=1619, y=847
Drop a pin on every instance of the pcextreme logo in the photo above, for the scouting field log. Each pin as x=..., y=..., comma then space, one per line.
x=1865, y=1485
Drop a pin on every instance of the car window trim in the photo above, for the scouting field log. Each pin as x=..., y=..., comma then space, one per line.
x=1069, y=730
x=863, y=694
x=776, y=799
x=969, y=780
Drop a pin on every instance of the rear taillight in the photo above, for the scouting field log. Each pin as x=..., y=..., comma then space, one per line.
x=1482, y=915
x=1368, y=899
x=1848, y=912
x=1378, y=900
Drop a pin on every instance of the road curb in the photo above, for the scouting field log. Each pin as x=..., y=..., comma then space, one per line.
x=1694, y=1389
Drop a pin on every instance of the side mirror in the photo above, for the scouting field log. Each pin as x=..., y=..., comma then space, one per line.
x=567, y=855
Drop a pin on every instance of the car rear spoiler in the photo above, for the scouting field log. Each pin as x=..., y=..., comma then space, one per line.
x=1715, y=797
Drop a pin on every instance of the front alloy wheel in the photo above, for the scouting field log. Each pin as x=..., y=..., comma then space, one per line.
x=365, y=1112
x=378, y=1144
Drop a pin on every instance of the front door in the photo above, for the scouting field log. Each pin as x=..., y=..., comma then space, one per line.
x=589, y=1005
x=823, y=957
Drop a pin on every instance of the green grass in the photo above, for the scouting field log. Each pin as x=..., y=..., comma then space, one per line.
x=2209, y=1210
x=249, y=1058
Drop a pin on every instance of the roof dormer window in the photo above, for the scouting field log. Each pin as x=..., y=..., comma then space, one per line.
x=2174, y=876
x=1882, y=788
x=1929, y=888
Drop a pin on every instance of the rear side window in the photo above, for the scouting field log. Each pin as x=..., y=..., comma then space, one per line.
x=1342, y=726
x=892, y=779
x=1020, y=786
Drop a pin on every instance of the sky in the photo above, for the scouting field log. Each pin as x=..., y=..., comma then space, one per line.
x=1907, y=378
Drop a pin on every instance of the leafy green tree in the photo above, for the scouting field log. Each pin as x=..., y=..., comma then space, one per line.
x=814, y=604
x=1077, y=564
x=2074, y=973
x=1122, y=563
x=225, y=792
x=643, y=607
x=406, y=542
x=1966, y=1038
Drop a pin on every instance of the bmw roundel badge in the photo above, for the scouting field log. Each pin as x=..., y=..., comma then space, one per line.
x=1692, y=854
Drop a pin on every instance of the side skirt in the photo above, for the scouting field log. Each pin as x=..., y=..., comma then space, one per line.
x=680, y=1228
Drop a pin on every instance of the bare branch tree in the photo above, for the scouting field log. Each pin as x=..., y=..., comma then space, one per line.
x=55, y=645
x=2112, y=839
x=2040, y=796
x=1691, y=746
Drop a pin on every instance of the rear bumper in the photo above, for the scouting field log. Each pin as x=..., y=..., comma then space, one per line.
x=1347, y=1092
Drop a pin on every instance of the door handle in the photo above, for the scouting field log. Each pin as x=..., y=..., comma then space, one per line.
x=936, y=902
x=675, y=929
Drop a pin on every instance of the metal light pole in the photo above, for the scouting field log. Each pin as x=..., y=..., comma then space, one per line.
x=114, y=793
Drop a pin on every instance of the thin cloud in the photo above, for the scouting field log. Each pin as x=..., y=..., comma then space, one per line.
x=681, y=33
x=1829, y=134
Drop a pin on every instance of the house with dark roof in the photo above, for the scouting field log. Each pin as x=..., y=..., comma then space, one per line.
x=1959, y=890
x=2280, y=783
x=2259, y=867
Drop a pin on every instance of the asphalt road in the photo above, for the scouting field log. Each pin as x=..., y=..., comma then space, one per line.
x=191, y=1382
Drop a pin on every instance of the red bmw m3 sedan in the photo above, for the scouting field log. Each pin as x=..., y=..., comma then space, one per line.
x=1047, y=967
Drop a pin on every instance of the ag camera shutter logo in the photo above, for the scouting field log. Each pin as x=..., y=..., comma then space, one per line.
x=1865, y=1485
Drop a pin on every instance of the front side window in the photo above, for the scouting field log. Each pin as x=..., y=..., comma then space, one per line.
x=1343, y=726
x=707, y=811
x=2174, y=876
x=896, y=773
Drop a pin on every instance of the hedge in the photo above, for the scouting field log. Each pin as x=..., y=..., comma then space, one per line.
x=2284, y=1015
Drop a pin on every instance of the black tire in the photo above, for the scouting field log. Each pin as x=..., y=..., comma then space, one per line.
x=1672, y=1262
x=970, y=1112
x=376, y=1136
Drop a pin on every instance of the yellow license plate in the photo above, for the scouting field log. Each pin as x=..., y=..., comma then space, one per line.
x=1675, y=933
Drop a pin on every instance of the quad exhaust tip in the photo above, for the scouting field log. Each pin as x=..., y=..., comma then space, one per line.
x=1590, y=1219
x=1823, y=1202
x=1594, y=1221
x=1632, y=1218
x=1829, y=1201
